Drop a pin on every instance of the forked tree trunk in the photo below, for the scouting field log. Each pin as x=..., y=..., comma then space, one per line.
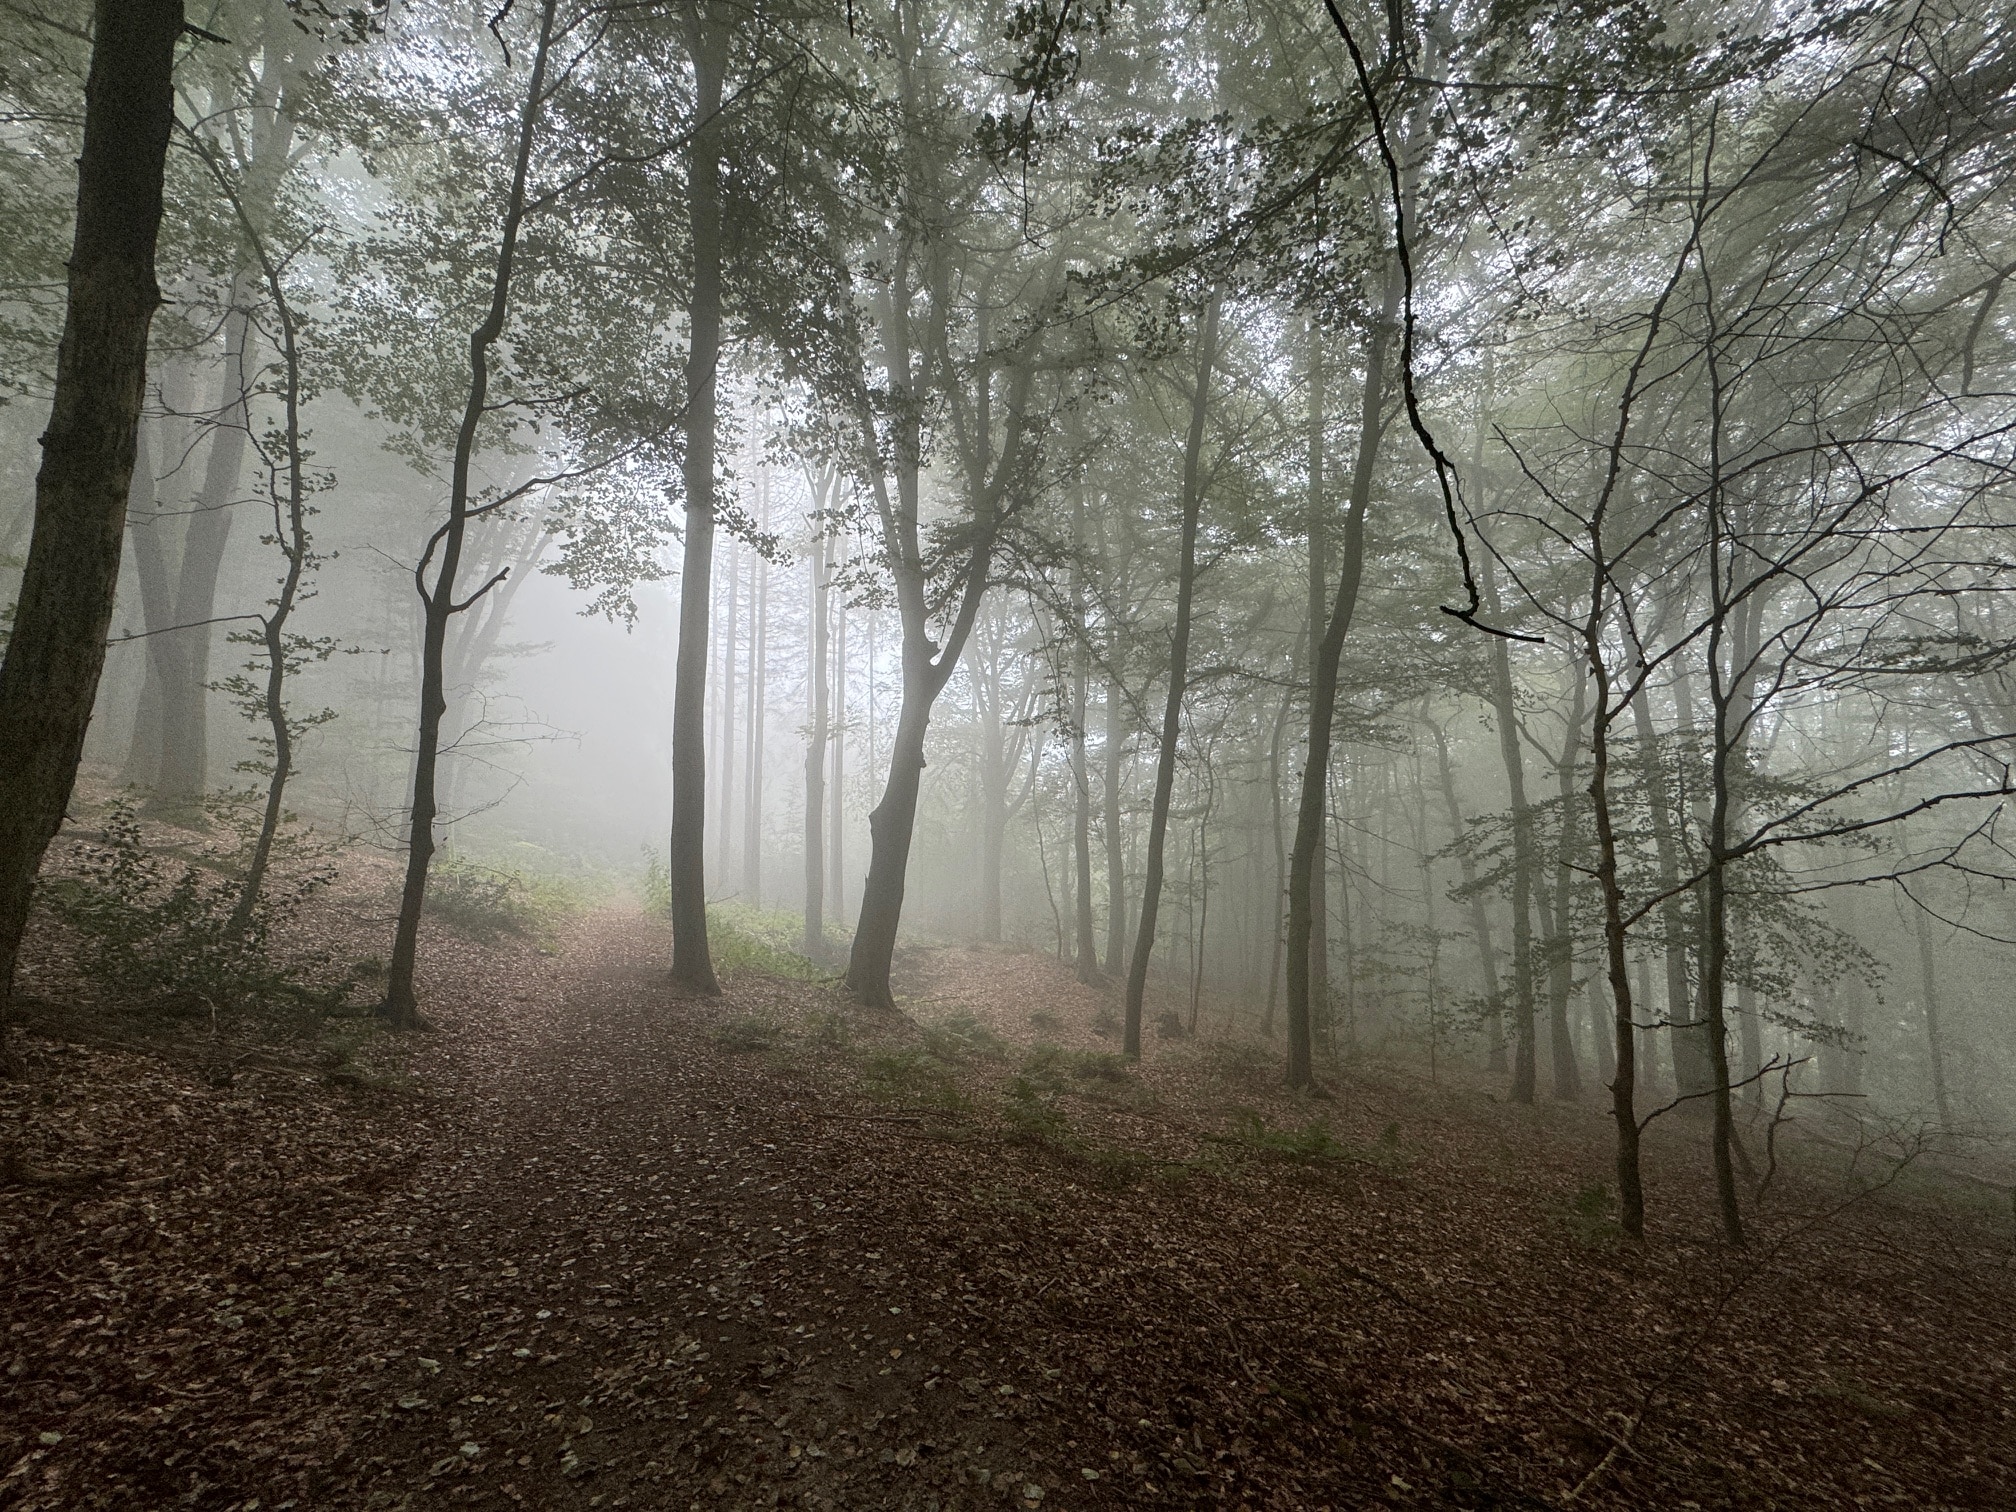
x=437, y=600
x=57, y=647
x=692, y=965
x=1179, y=672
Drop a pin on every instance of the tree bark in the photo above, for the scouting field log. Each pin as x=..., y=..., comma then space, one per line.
x=57, y=647
x=1179, y=671
x=692, y=965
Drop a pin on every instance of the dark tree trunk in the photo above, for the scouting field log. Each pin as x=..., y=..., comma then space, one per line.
x=56, y=651
x=1306, y=859
x=437, y=600
x=1179, y=671
x=1561, y=936
x=692, y=965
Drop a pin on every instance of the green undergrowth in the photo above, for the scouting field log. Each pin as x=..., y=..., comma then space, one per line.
x=759, y=941
x=491, y=903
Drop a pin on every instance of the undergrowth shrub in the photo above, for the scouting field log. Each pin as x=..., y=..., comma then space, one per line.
x=913, y=1077
x=960, y=1035
x=161, y=931
x=480, y=902
x=763, y=941
x=1309, y=1145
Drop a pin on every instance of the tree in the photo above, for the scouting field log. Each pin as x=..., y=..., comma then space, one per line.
x=57, y=647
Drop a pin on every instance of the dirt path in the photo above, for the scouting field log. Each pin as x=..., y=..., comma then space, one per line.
x=628, y=1250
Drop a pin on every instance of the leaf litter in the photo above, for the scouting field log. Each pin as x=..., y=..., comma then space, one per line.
x=606, y=1247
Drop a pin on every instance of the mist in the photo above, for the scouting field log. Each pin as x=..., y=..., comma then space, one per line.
x=1054, y=753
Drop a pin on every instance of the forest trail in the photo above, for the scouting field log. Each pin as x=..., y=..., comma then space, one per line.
x=623, y=1249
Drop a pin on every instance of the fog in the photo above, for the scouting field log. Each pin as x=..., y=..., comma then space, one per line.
x=1460, y=549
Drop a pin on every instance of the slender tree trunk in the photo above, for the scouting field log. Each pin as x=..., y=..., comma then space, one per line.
x=730, y=626
x=692, y=965
x=759, y=681
x=836, y=791
x=1480, y=916
x=287, y=487
x=815, y=758
x=1307, y=860
x=1691, y=1074
x=1561, y=941
x=445, y=548
x=1179, y=671
x=1318, y=620
x=1935, y=1049
x=157, y=615
x=1279, y=932
x=1087, y=939
x=56, y=650
x=1506, y=712
x=1115, y=838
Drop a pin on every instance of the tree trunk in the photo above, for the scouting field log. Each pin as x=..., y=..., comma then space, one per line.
x=1480, y=917
x=1179, y=671
x=759, y=678
x=1318, y=619
x=1691, y=1075
x=1561, y=938
x=1087, y=940
x=1506, y=713
x=725, y=766
x=438, y=601
x=692, y=966
x=56, y=651
x=836, y=790
x=815, y=756
x=1935, y=1049
x=1116, y=841
x=157, y=616
x=1307, y=860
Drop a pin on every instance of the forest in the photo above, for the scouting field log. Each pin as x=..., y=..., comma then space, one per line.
x=1035, y=753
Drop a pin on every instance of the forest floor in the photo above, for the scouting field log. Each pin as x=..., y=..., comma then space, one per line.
x=593, y=1245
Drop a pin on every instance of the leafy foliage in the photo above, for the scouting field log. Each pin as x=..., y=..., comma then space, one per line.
x=164, y=934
